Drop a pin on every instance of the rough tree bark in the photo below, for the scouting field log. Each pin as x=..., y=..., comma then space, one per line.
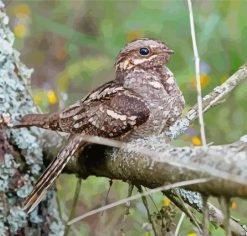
x=21, y=151
x=149, y=162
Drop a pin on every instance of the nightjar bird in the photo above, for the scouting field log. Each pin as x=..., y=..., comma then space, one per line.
x=142, y=100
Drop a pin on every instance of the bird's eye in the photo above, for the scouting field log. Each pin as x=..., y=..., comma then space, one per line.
x=144, y=51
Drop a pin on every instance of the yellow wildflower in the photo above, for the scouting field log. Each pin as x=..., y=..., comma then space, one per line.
x=196, y=141
x=52, y=97
x=20, y=30
x=234, y=205
x=166, y=202
x=192, y=234
x=22, y=10
x=204, y=80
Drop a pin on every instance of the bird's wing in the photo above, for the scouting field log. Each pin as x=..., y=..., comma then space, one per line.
x=111, y=111
x=108, y=111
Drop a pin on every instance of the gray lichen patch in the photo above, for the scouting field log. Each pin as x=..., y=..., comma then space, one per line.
x=179, y=127
x=19, y=168
x=7, y=171
x=16, y=218
x=195, y=199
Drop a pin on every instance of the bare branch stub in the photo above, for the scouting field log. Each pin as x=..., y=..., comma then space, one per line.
x=212, y=99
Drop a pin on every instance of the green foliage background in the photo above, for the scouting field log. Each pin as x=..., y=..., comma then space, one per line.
x=72, y=46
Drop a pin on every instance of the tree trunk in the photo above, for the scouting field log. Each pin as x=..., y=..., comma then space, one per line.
x=21, y=151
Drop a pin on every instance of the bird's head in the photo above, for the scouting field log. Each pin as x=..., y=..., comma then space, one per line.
x=143, y=53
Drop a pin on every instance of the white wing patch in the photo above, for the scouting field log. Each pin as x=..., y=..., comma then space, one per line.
x=97, y=95
x=116, y=115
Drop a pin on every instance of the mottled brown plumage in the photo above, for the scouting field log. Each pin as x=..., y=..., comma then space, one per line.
x=142, y=100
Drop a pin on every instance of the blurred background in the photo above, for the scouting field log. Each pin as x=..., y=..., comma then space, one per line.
x=72, y=46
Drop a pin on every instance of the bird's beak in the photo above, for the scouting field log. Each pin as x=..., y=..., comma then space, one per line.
x=169, y=51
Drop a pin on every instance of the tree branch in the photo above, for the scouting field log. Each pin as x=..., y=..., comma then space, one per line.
x=152, y=163
x=212, y=99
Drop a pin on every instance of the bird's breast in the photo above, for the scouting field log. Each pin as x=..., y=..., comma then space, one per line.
x=165, y=107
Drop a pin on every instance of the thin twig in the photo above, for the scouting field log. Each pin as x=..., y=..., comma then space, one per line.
x=103, y=218
x=225, y=206
x=107, y=194
x=152, y=200
x=58, y=203
x=197, y=68
x=156, y=207
x=75, y=200
x=216, y=216
x=137, y=196
x=179, y=224
x=127, y=205
x=145, y=203
x=183, y=207
x=205, y=215
x=157, y=210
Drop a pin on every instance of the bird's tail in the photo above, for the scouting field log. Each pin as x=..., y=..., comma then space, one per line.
x=45, y=121
x=52, y=172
